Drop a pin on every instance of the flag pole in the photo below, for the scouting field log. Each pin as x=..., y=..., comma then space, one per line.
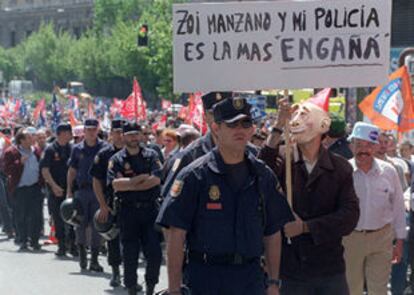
x=288, y=162
x=135, y=99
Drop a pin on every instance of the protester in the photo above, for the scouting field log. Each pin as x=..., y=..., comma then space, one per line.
x=323, y=200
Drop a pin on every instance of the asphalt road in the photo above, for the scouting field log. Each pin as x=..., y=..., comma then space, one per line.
x=42, y=273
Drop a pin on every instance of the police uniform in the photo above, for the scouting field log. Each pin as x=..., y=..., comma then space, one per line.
x=81, y=160
x=224, y=227
x=99, y=170
x=138, y=213
x=55, y=158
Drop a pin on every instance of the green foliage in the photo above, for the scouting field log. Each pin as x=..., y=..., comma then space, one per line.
x=107, y=57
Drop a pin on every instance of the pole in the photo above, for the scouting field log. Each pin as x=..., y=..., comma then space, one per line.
x=134, y=93
x=288, y=163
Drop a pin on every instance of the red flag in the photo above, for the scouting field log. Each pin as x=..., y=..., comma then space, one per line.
x=116, y=107
x=165, y=104
x=391, y=107
x=196, y=113
x=161, y=123
x=134, y=106
x=40, y=107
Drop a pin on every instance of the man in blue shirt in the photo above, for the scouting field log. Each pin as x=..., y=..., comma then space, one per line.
x=80, y=162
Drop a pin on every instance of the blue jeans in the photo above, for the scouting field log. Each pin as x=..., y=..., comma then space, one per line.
x=399, y=273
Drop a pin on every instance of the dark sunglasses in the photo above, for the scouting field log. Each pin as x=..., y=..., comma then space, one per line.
x=246, y=123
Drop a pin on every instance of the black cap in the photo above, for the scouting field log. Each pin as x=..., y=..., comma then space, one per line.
x=91, y=123
x=211, y=98
x=131, y=127
x=63, y=127
x=231, y=110
x=117, y=124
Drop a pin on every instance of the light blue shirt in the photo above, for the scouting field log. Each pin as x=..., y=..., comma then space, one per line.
x=30, y=173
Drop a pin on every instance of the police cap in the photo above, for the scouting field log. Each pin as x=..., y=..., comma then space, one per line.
x=211, y=98
x=231, y=110
x=91, y=123
x=63, y=127
x=131, y=127
x=117, y=125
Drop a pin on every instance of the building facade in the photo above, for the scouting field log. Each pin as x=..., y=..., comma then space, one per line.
x=19, y=18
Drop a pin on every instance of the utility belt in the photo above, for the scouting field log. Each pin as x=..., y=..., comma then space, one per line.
x=220, y=259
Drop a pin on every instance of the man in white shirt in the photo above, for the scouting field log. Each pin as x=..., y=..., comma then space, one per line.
x=369, y=250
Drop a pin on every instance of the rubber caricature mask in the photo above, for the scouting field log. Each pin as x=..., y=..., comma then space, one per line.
x=310, y=118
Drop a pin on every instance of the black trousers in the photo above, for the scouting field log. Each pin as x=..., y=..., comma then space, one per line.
x=329, y=285
x=114, y=252
x=29, y=212
x=138, y=233
x=54, y=207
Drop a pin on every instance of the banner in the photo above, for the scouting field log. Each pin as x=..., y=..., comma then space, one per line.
x=281, y=44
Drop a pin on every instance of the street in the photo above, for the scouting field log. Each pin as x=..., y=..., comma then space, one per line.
x=42, y=273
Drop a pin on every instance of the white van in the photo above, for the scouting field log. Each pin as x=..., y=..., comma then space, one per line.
x=19, y=88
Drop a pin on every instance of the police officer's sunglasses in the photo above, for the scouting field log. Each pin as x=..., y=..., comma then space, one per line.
x=245, y=124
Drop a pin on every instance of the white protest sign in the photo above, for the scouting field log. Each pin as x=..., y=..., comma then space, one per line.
x=281, y=44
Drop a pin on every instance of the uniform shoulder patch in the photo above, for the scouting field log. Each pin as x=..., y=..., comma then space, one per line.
x=96, y=160
x=176, y=165
x=176, y=188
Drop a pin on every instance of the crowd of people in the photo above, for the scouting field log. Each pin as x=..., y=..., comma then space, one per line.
x=235, y=214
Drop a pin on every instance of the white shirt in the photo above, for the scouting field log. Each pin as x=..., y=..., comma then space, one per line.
x=380, y=197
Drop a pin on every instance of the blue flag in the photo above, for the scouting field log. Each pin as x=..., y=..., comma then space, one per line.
x=55, y=112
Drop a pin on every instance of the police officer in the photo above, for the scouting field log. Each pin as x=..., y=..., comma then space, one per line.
x=104, y=195
x=196, y=149
x=80, y=162
x=226, y=207
x=54, y=168
x=134, y=173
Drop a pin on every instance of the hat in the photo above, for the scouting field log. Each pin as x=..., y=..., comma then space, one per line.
x=31, y=130
x=321, y=99
x=231, y=110
x=131, y=127
x=211, y=98
x=117, y=124
x=338, y=126
x=365, y=131
x=91, y=123
x=63, y=127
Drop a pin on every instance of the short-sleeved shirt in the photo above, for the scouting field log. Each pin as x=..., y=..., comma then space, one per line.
x=81, y=159
x=219, y=220
x=123, y=164
x=55, y=157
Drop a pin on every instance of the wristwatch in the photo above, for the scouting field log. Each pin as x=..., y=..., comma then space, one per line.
x=275, y=282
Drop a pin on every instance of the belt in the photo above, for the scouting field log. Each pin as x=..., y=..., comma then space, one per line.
x=224, y=259
x=368, y=231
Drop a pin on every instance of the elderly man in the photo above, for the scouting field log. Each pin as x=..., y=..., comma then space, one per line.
x=369, y=249
x=324, y=201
